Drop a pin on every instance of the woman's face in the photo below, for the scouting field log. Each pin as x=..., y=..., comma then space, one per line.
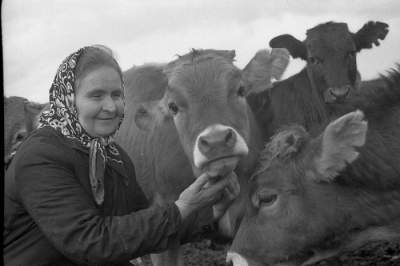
x=99, y=101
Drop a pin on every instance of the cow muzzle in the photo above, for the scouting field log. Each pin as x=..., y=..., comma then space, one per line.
x=337, y=94
x=218, y=149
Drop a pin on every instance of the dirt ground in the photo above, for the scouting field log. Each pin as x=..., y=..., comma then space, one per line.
x=380, y=253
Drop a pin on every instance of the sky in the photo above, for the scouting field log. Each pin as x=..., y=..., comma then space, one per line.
x=39, y=34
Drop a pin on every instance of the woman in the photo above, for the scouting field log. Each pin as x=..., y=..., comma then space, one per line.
x=71, y=195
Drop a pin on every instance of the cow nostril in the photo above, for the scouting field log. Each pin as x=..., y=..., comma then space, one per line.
x=346, y=90
x=229, y=135
x=203, y=142
x=204, y=145
x=340, y=93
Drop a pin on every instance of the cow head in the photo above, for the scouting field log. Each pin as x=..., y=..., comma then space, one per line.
x=191, y=116
x=296, y=205
x=20, y=118
x=205, y=99
x=330, y=50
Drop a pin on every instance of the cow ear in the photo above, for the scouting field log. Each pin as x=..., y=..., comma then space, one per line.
x=33, y=108
x=295, y=47
x=265, y=67
x=370, y=34
x=33, y=111
x=338, y=145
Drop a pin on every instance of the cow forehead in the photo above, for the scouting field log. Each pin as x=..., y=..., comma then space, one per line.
x=282, y=156
x=203, y=74
x=328, y=28
x=286, y=142
x=329, y=36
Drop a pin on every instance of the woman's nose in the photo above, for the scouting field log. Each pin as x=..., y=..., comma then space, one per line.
x=109, y=105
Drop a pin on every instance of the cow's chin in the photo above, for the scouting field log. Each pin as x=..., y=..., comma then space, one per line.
x=221, y=166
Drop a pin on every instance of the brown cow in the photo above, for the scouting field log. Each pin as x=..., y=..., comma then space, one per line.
x=194, y=118
x=330, y=75
x=306, y=202
x=20, y=118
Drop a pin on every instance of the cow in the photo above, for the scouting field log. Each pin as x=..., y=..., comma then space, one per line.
x=330, y=75
x=190, y=116
x=312, y=197
x=20, y=118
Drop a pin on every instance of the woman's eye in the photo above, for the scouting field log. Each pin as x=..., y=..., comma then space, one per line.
x=117, y=95
x=241, y=91
x=95, y=96
x=173, y=108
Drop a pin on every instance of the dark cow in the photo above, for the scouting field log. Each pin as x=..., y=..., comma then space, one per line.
x=330, y=75
x=193, y=117
x=312, y=197
x=20, y=118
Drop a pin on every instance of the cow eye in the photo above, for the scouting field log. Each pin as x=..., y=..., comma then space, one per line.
x=314, y=60
x=173, y=108
x=241, y=91
x=264, y=198
x=268, y=200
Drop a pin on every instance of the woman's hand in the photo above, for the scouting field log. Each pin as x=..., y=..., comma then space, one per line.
x=230, y=192
x=201, y=193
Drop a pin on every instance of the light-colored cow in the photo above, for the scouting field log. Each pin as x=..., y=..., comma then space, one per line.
x=191, y=116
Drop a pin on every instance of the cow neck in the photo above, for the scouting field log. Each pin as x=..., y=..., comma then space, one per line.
x=311, y=78
x=319, y=106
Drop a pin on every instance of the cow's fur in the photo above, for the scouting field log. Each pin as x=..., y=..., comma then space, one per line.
x=322, y=210
x=380, y=157
x=20, y=118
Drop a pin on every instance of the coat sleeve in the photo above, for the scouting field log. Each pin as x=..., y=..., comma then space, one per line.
x=70, y=220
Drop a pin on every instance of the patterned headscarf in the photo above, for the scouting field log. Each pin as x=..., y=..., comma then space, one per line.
x=63, y=117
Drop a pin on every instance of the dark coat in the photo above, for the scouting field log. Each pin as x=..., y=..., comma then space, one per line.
x=51, y=218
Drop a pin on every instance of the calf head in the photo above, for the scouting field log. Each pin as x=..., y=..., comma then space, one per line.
x=330, y=51
x=297, y=206
x=206, y=100
x=193, y=117
x=20, y=118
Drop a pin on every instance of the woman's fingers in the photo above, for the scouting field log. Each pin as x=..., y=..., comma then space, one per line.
x=217, y=186
x=200, y=182
x=233, y=187
x=207, y=191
